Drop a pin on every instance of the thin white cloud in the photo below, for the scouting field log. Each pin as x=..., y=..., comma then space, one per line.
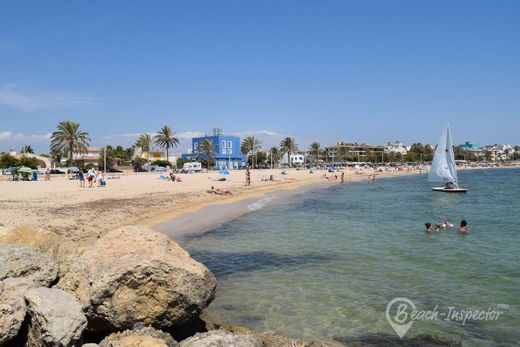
x=188, y=135
x=259, y=133
x=31, y=101
x=9, y=135
x=5, y=135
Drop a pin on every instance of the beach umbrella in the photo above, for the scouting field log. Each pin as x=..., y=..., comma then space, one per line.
x=25, y=169
x=223, y=172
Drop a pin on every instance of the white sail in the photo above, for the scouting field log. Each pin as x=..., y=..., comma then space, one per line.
x=443, y=168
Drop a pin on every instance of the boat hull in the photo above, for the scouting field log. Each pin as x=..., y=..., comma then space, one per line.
x=446, y=190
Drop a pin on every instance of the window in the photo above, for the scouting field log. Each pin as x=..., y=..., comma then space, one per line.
x=224, y=144
x=195, y=147
x=223, y=150
x=230, y=144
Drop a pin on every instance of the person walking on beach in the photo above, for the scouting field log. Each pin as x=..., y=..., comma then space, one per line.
x=81, y=178
x=342, y=177
x=90, y=177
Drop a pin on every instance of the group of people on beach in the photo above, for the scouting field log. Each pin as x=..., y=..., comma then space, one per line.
x=91, y=178
x=446, y=225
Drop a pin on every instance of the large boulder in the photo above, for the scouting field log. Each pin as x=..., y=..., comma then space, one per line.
x=12, y=307
x=60, y=250
x=56, y=318
x=27, y=262
x=220, y=338
x=148, y=337
x=134, y=275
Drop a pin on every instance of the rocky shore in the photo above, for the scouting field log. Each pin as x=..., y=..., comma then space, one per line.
x=132, y=287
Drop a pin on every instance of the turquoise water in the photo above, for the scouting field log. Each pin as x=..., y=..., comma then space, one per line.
x=326, y=262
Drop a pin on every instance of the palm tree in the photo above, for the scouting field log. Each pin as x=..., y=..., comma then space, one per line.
x=27, y=149
x=251, y=145
x=69, y=139
x=288, y=146
x=274, y=155
x=165, y=138
x=207, y=148
x=315, y=150
x=144, y=142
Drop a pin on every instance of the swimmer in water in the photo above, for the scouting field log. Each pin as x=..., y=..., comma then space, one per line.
x=437, y=228
x=428, y=227
x=464, y=227
x=447, y=224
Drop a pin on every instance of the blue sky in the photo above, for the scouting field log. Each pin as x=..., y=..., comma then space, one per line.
x=368, y=71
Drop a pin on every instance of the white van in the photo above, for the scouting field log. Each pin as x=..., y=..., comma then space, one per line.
x=192, y=167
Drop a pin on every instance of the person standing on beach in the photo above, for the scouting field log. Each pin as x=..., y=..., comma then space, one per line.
x=342, y=177
x=81, y=178
x=248, y=177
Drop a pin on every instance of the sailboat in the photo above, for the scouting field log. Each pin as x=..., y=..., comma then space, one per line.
x=443, y=168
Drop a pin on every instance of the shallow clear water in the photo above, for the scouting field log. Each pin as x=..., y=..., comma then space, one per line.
x=327, y=262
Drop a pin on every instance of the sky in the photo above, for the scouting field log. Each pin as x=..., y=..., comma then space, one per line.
x=327, y=71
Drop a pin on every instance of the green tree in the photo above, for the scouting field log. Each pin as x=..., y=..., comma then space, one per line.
x=288, y=146
x=110, y=158
x=7, y=161
x=344, y=154
x=27, y=149
x=274, y=156
x=165, y=138
x=207, y=149
x=251, y=145
x=144, y=143
x=69, y=139
x=56, y=156
x=315, y=151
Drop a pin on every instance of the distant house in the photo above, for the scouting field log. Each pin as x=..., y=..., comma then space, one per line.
x=227, y=152
x=396, y=147
x=469, y=145
x=91, y=156
x=359, y=149
x=296, y=159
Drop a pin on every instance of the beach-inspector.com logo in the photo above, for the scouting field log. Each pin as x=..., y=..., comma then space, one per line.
x=402, y=313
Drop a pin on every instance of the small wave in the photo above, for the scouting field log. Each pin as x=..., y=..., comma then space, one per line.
x=259, y=204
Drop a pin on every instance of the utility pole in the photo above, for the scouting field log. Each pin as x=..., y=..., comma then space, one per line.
x=105, y=160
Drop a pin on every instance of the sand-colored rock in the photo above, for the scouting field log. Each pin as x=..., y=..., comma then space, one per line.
x=221, y=338
x=134, y=274
x=60, y=250
x=56, y=318
x=12, y=307
x=274, y=340
x=27, y=262
x=145, y=337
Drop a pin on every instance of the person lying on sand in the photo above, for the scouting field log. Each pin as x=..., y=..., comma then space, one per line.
x=217, y=191
x=271, y=178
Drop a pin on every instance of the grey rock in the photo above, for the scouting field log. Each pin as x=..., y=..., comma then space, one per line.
x=28, y=262
x=220, y=338
x=134, y=274
x=12, y=307
x=56, y=318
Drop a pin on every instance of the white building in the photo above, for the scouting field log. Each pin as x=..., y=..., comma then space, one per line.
x=296, y=159
x=396, y=147
x=498, y=152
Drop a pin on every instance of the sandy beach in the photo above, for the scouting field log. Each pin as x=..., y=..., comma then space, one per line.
x=85, y=214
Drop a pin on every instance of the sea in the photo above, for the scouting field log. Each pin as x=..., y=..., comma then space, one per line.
x=329, y=261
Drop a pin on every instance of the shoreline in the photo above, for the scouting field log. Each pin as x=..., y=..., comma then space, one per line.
x=83, y=215
x=210, y=215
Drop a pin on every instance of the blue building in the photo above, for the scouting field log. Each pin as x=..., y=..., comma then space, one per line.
x=226, y=150
x=469, y=145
